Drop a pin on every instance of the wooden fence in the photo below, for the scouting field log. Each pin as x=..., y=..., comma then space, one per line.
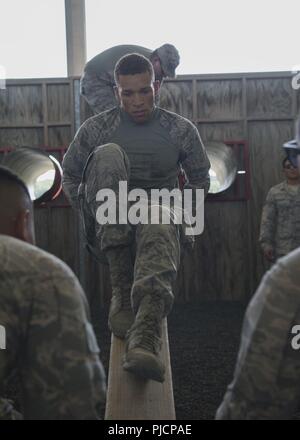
x=259, y=109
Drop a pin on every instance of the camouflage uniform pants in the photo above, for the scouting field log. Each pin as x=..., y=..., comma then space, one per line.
x=155, y=247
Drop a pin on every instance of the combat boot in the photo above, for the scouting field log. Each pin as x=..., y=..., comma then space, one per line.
x=144, y=342
x=121, y=316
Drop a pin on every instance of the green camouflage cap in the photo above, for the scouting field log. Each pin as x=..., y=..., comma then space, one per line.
x=169, y=59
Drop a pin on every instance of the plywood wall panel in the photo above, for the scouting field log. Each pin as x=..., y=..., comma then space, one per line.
x=177, y=97
x=21, y=104
x=219, y=99
x=269, y=97
x=18, y=137
x=58, y=100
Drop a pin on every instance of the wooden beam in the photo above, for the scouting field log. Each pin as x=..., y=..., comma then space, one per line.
x=132, y=398
x=76, y=36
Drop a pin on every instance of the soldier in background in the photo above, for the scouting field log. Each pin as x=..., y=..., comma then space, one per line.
x=280, y=223
x=266, y=382
x=144, y=145
x=50, y=343
x=97, y=82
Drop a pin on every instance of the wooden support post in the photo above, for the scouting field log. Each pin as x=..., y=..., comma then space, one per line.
x=132, y=398
x=76, y=36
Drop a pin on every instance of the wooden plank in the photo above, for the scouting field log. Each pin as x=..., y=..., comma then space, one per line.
x=59, y=136
x=219, y=99
x=21, y=105
x=217, y=267
x=221, y=131
x=45, y=114
x=58, y=103
x=18, y=137
x=133, y=398
x=62, y=231
x=269, y=98
x=177, y=97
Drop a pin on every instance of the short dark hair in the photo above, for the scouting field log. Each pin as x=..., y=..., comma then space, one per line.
x=8, y=176
x=132, y=64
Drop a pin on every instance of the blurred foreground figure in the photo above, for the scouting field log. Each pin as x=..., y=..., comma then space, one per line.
x=266, y=382
x=49, y=341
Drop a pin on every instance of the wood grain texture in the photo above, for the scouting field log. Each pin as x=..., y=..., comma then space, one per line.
x=269, y=97
x=18, y=137
x=221, y=131
x=217, y=268
x=132, y=398
x=59, y=136
x=58, y=101
x=219, y=99
x=21, y=104
x=177, y=97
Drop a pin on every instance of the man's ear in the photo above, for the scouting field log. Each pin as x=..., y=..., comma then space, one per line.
x=116, y=92
x=156, y=87
x=24, y=229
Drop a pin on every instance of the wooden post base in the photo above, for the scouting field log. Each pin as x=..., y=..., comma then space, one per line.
x=132, y=398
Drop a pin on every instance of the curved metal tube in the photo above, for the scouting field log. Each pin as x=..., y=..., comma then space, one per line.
x=223, y=166
x=41, y=172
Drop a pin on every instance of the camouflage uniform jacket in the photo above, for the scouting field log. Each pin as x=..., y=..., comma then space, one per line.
x=50, y=343
x=97, y=130
x=280, y=224
x=266, y=382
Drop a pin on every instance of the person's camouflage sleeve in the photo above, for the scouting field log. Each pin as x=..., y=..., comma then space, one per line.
x=49, y=338
x=266, y=382
x=98, y=91
x=280, y=225
x=268, y=223
x=193, y=158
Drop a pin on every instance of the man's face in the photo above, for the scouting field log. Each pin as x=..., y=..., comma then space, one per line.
x=136, y=94
x=290, y=171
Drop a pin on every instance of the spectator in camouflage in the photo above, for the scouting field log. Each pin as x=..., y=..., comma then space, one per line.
x=280, y=223
x=50, y=343
x=266, y=383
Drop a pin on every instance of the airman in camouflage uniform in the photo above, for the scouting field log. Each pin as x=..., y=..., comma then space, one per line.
x=143, y=145
x=280, y=224
x=266, y=382
x=50, y=343
x=97, y=82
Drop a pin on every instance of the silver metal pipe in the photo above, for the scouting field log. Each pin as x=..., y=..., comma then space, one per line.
x=40, y=172
x=223, y=166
